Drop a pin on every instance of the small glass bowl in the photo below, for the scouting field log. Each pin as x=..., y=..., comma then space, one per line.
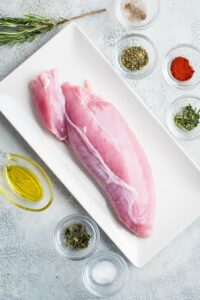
x=91, y=228
x=136, y=40
x=193, y=55
x=152, y=9
x=174, y=108
x=109, y=289
x=12, y=196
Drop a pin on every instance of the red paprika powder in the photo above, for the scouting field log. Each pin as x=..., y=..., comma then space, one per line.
x=181, y=69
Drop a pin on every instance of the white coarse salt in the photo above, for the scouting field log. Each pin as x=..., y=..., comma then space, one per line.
x=104, y=272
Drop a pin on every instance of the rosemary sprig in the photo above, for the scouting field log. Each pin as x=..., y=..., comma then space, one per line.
x=20, y=30
x=188, y=118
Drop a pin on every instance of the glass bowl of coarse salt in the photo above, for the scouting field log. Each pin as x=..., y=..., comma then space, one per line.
x=137, y=14
x=105, y=273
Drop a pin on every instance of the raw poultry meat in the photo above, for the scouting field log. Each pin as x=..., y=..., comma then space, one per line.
x=49, y=103
x=108, y=149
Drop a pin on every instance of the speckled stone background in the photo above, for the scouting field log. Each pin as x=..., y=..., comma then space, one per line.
x=30, y=268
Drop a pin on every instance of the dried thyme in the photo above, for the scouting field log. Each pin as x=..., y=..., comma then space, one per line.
x=188, y=118
x=134, y=58
x=76, y=237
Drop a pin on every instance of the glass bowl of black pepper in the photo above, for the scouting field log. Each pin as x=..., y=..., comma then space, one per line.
x=183, y=117
x=135, y=56
x=76, y=237
x=137, y=14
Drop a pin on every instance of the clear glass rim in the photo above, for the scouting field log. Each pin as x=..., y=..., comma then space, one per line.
x=47, y=180
x=106, y=254
x=168, y=78
x=169, y=123
x=128, y=74
x=136, y=27
x=85, y=219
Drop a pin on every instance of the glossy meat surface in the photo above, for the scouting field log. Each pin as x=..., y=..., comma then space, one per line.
x=107, y=148
x=49, y=103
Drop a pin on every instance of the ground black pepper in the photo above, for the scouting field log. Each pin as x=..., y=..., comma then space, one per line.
x=135, y=11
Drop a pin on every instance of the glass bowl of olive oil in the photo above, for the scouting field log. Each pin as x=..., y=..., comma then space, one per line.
x=24, y=183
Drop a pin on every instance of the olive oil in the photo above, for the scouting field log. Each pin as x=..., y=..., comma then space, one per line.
x=24, y=182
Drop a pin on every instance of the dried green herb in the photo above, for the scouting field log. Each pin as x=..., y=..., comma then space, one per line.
x=134, y=58
x=20, y=30
x=188, y=118
x=76, y=236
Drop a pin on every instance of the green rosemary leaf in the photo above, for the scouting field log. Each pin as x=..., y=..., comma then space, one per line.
x=76, y=237
x=188, y=118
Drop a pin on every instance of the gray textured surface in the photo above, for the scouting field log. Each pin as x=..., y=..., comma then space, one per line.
x=30, y=268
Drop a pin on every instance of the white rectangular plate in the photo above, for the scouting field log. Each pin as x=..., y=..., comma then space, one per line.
x=177, y=178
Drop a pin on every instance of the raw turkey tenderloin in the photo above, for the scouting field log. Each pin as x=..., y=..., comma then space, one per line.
x=109, y=150
x=49, y=103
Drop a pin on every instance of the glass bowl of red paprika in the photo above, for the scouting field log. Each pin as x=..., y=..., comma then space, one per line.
x=181, y=67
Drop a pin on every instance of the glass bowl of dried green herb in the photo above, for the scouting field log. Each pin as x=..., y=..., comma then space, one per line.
x=183, y=117
x=135, y=56
x=76, y=237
